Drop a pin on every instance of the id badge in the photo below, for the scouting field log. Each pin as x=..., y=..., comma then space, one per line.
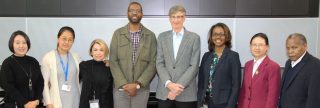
x=205, y=106
x=66, y=87
x=94, y=103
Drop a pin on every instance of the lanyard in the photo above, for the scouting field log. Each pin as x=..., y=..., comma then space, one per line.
x=29, y=75
x=65, y=68
x=94, y=83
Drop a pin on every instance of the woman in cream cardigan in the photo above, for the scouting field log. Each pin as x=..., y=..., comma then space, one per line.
x=60, y=69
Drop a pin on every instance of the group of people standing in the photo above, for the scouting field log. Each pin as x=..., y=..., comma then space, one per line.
x=64, y=81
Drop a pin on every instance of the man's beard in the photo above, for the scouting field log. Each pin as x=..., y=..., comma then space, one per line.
x=134, y=21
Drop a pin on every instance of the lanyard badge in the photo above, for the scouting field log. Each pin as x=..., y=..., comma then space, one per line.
x=94, y=103
x=65, y=87
x=64, y=68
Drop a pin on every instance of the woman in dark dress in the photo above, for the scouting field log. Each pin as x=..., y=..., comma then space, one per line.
x=20, y=75
x=96, y=78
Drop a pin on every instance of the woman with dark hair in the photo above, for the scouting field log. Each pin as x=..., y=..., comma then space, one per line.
x=20, y=74
x=60, y=70
x=97, y=82
x=220, y=71
x=261, y=77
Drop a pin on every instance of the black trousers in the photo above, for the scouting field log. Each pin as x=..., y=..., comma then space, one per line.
x=13, y=105
x=176, y=104
x=211, y=104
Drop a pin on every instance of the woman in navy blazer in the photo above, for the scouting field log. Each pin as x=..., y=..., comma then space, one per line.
x=220, y=71
x=261, y=79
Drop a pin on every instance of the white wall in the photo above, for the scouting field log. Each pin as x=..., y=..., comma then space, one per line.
x=277, y=30
x=7, y=26
x=43, y=32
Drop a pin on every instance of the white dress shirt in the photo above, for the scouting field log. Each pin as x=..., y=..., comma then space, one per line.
x=176, y=40
x=294, y=63
x=256, y=64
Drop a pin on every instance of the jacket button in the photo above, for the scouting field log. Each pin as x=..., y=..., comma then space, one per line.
x=249, y=98
x=250, y=87
x=174, y=67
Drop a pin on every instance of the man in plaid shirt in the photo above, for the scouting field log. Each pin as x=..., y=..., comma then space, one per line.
x=132, y=61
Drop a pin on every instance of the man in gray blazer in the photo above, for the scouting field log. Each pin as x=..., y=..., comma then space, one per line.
x=177, y=63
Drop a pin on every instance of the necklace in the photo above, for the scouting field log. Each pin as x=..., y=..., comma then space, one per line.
x=29, y=75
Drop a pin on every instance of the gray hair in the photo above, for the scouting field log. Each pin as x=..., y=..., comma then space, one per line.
x=300, y=36
x=177, y=8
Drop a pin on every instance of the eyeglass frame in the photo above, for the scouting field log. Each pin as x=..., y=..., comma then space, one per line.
x=219, y=34
x=133, y=11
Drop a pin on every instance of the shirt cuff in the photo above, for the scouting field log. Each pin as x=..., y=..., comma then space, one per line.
x=167, y=82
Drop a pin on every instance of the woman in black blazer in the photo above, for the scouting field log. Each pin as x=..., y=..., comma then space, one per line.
x=220, y=71
x=96, y=78
x=21, y=77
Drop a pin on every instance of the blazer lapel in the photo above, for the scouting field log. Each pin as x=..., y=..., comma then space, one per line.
x=287, y=65
x=223, y=56
x=207, y=68
x=298, y=68
x=296, y=71
x=248, y=74
x=261, y=68
x=182, y=45
x=169, y=46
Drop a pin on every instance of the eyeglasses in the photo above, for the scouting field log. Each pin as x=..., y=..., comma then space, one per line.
x=133, y=11
x=177, y=17
x=67, y=40
x=218, y=34
x=257, y=45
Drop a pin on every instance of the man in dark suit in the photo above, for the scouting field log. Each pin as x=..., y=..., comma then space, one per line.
x=300, y=81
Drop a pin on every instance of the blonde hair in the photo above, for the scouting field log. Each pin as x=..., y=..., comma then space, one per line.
x=102, y=44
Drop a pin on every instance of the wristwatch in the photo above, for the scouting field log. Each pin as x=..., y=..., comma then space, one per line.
x=138, y=84
x=37, y=102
